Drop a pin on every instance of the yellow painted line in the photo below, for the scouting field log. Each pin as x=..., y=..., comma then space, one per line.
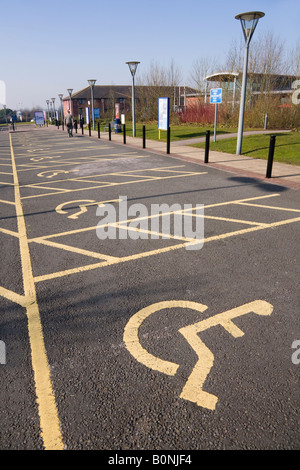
x=5, y=173
x=13, y=297
x=112, y=184
x=155, y=252
x=268, y=207
x=80, y=251
x=49, y=422
x=37, y=186
x=83, y=178
x=153, y=232
x=9, y=232
x=6, y=202
x=226, y=219
x=238, y=201
x=185, y=211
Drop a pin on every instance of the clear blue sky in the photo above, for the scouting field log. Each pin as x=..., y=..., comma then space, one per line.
x=49, y=46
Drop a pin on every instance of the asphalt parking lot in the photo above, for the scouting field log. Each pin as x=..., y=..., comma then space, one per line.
x=145, y=339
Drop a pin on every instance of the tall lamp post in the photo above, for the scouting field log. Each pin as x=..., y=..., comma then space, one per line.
x=60, y=95
x=47, y=101
x=132, y=67
x=92, y=84
x=69, y=90
x=53, y=101
x=249, y=22
x=50, y=104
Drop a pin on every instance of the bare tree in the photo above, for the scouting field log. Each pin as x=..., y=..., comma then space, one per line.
x=157, y=81
x=201, y=68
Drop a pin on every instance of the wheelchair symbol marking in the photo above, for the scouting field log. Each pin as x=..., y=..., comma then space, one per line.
x=193, y=389
x=85, y=203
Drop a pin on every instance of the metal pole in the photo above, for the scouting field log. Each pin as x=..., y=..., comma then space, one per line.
x=207, y=138
x=242, y=102
x=270, y=156
x=98, y=130
x=124, y=134
x=109, y=131
x=93, y=115
x=133, y=107
x=215, y=129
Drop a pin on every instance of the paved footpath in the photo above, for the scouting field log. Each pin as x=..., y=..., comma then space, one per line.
x=283, y=174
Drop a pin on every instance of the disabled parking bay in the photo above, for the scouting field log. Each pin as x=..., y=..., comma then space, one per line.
x=120, y=334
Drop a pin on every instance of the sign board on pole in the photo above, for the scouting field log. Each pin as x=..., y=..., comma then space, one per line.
x=216, y=95
x=39, y=118
x=87, y=115
x=163, y=113
x=97, y=113
x=117, y=110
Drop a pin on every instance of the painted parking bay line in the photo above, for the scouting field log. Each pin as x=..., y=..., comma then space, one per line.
x=49, y=422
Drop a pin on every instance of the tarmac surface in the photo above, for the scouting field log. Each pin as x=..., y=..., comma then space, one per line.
x=287, y=175
x=123, y=336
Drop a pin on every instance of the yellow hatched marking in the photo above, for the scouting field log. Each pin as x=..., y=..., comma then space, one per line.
x=154, y=252
x=112, y=184
x=49, y=422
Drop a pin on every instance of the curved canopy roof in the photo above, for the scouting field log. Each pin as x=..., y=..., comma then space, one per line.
x=222, y=77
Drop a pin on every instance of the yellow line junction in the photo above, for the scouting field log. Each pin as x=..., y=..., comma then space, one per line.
x=58, y=177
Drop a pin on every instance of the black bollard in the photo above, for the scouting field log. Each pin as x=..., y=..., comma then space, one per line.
x=98, y=130
x=270, y=156
x=144, y=137
x=168, y=139
x=207, y=137
x=109, y=131
x=90, y=129
x=124, y=134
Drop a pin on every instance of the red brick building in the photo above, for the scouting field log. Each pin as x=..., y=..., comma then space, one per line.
x=107, y=96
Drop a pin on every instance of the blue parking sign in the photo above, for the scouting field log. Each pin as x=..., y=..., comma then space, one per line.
x=216, y=95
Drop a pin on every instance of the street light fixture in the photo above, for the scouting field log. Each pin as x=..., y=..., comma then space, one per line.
x=92, y=84
x=53, y=101
x=69, y=90
x=132, y=67
x=60, y=95
x=249, y=22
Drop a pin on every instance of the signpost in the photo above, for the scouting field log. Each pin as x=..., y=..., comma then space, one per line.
x=163, y=114
x=39, y=118
x=215, y=98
